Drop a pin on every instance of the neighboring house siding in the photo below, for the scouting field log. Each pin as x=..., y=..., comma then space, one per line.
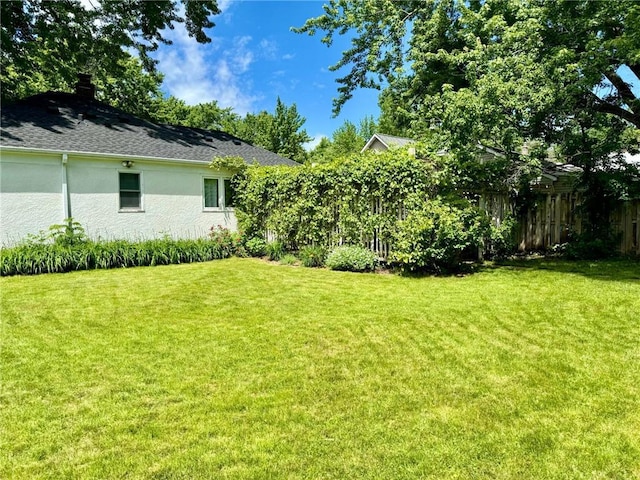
x=30, y=195
x=31, y=198
x=378, y=146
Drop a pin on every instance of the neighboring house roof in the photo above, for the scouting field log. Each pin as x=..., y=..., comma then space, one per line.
x=387, y=141
x=551, y=168
x=68, y=122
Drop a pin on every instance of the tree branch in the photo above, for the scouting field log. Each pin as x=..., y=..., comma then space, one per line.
x=620, y=112
x=624, y=90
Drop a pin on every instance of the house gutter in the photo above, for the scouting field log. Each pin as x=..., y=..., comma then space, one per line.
x=104, y=156
x=66, y=200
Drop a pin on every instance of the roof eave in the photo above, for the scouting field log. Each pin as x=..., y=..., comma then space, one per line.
x=373, y=138
x=115, y=156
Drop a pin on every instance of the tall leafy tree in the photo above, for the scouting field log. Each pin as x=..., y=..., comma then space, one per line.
x=53, y=41
x=208, y=116
x=285, y=135
x=133, y=90
x=347, y=139
x=322, y=152
x=367, y=128
x=499, y=69
x=280, y=132
x=255, y=128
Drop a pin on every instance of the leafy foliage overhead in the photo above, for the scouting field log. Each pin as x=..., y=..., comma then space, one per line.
x=56, y=40
x=498, y=69
x=280, y=132
x=520, y=76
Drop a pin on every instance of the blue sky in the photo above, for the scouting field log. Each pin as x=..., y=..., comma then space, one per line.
x=254, y=58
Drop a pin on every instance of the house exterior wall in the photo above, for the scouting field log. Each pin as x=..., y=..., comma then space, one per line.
x=30, y=195
x=171, y=193
x=377, y=145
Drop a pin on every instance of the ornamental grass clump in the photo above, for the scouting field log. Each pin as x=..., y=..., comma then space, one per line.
x=66, y=248
x=288, y=259
x=351, y=258
x=275, y=250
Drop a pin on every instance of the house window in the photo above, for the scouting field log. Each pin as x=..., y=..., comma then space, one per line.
x=211, y=193
x=130, y=193
x=229, y=194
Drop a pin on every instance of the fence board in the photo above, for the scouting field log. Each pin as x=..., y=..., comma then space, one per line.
x=555, y=215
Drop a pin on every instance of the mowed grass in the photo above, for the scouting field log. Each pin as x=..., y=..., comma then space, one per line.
x=244, y=369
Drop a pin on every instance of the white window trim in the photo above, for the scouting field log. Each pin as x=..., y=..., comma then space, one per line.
x=132, y=210
x=220, y=194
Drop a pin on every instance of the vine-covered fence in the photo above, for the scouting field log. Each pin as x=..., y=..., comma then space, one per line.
x=400, y=207
x=349, y=202
x=376, y=237
x=361, y=201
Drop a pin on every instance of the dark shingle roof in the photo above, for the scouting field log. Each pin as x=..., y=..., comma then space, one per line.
x=68, y=122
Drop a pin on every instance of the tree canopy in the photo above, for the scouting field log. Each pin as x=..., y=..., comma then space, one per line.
x=346, y=140
x=280, y=132
x=45, y=44
x=497, y=70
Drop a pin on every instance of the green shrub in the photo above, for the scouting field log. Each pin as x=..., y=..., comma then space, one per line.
x=256, y=247
x=352, y=259
x=288, y=259
x=275, y=250
x=313, y=256
x=435, y=234
x=585, y=247
x=229, y=243
x=502, y=241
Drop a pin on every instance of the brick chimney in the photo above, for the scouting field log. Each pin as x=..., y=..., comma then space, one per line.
x=84, y=87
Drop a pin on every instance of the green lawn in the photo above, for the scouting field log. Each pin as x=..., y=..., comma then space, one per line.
x=244, y=369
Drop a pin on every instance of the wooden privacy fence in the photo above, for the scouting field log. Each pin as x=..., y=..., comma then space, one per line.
x=549, y=221
x=546, y=223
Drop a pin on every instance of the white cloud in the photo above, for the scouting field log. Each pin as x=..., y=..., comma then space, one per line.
x=268, y=49
x=224, y=5
x=240, y=55
x=288, y=56
x=191, y=75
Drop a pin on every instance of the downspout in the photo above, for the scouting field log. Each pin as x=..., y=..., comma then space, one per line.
x=66, y=201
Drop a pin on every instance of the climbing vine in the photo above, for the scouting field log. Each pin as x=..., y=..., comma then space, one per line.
x=344, y=201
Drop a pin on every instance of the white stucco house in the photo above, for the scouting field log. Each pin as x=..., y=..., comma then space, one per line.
x=68, y=155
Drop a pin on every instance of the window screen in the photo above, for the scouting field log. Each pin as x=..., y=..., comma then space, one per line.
x=130, y=190
x=229, y=194
x=210, y=192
